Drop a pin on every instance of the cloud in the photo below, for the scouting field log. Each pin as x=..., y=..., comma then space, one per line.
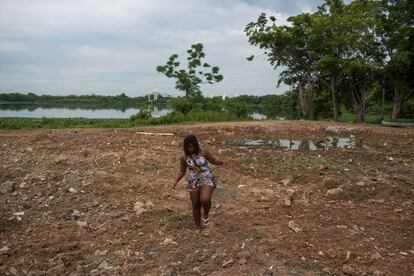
x=109, y=47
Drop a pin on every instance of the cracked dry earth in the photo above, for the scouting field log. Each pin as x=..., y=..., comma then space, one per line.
x=98, y=201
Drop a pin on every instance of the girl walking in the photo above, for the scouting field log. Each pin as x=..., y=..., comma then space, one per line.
x=201, y=182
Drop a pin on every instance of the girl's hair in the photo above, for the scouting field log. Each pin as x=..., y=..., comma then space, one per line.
x=191, y=140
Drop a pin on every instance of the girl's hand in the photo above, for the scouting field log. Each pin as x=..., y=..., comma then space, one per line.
x=174, y=184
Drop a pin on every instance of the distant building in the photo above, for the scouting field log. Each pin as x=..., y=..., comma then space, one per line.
x=155, y=93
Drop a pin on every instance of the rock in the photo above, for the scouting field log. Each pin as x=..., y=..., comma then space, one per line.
x=76, y=213
x=4, y=250
x=67, y=216
x=334, y=192
x=13, y=271
x=103, y=265
x=347, y=269
x=56, y=270
x=287, y=202
x=83, y=224
x=72, y=190
x=360, y=183
x=227, y=263
x=101, y=252
x=6, y=187
x=29, y=149
x=348, y=255
x=294, y=226
x=243, y=254
x=330, y=183
x=72, y=177
x=242, y=261
x=84, y=152
x=376, y=256
x=169, y=241
x=197, y=270
x=286, y=181
x=139, y=207
x=149, y=204
x=403, y=253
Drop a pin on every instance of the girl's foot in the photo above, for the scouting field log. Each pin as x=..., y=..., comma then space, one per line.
x=205, y=221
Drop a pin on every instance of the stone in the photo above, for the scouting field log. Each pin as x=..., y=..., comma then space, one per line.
x=169, y=241
x=294, y=226
x=6, y=187
x=72, y=177
x=72, y=190
x=76, y=213
x=348, y=255
x=347, y=269
x=56, y=270
x=84, y=152
x=4, y=250
x=67, y=216
x=197, y=269
x=103, y=265
x=139, y=207
x=330, y=183
x=376, y=256
x=287, y=202
x=227, y=263
x=149, y=204
x=286, y=181
x=83, y=224
x=13, y=271
x=334, y=192
x=243, y=254
x=101, y=252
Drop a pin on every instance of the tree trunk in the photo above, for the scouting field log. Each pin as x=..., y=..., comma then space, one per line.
x=306, y=99
x=360, y=116
x=397, y=102
x=334, y=100
x=396, y=108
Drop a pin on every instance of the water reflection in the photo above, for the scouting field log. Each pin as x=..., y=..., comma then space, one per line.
x=29, y=111
x=289, y=144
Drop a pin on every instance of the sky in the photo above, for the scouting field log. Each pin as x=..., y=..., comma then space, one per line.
x=108, y=47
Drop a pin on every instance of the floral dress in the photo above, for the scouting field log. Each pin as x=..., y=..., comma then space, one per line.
x=199, y=173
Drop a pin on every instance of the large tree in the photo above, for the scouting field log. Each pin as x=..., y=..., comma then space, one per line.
x=395, y=27
x=291, y=48
x=197, y=72
x=362, y=56
x=332, y=35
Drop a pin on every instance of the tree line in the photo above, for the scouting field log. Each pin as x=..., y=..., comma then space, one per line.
x=352, y=55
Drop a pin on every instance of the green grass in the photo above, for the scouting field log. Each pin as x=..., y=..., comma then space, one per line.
x=134, y=121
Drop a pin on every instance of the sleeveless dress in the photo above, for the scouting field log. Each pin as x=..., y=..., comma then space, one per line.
x=199, y=173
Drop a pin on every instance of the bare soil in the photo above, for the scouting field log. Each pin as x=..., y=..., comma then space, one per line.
x=345, y=211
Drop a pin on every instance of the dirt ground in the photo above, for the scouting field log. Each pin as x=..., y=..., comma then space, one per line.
x=99, y=202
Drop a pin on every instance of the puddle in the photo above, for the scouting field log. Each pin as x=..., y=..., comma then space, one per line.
x=287, y=144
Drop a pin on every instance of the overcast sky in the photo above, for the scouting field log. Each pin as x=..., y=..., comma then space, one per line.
x=112, y=46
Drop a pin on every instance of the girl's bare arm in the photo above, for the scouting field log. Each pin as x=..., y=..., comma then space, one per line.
x=182, y=170
x=213, y=159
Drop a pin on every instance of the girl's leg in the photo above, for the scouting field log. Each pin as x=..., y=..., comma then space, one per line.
x=195, y=201
x=205, y=199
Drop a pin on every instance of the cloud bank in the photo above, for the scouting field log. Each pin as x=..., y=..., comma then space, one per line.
x=110, y=47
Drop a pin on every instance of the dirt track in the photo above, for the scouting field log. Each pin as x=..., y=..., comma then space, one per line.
x=78, y=187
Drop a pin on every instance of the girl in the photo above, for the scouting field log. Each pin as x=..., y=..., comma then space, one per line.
x=201, y=182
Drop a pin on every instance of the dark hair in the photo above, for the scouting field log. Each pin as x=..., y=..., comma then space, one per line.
x=191, y=140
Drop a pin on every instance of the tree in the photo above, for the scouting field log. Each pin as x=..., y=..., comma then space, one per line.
x=293, y=49
x=197, y=72
x=331, y=32
x=395, y=27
